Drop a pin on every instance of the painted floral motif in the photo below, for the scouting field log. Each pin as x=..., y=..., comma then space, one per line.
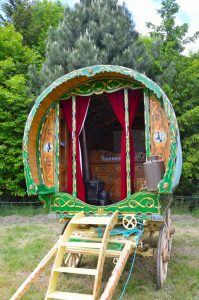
x=47, y=149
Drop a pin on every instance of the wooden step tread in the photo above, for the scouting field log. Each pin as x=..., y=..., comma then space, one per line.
x=69, y=296
x=76, y=270
x=81, y=245
x=93, y=251
x=92, y=221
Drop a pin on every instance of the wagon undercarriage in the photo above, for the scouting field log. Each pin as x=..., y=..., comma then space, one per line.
x=103, y=236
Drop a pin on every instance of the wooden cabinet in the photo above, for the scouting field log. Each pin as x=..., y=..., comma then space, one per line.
x=106, y=166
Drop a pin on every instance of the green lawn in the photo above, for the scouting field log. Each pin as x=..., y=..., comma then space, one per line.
x=20, y=210
x=24, y=245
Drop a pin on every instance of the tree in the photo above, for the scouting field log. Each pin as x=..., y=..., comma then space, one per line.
x=33, y=19
x=168, y=31
x=8, y=7
x=178, y=76
x=45, y=14
x=189, y=124
x=169, y=41
x=14, y=107
x=94, y=32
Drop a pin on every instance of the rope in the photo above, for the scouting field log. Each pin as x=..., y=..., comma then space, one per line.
x=132, y=265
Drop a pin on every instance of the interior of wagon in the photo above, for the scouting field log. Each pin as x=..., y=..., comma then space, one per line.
x=102, y=153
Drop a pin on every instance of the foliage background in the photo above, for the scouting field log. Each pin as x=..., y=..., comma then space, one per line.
x=41, y=40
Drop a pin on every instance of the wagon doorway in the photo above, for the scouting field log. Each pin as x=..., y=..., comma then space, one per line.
x=102, y=151
x=105, y=148
x=103, y=138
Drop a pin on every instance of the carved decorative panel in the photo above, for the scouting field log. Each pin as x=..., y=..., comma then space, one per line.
x=159, y=129
x=47, y=150
x=63, y=151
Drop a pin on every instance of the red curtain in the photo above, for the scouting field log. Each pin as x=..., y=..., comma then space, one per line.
x=117, y=102
x=81, y=111
x=133, y=102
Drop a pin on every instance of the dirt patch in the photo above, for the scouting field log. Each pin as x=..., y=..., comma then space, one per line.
x=191, y=231
x=15, y=219
x=186, y=225
x=38, y=219
x=185, y=218
x=188, y=251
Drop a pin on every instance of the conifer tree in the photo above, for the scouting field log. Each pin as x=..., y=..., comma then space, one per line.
x=94, y=32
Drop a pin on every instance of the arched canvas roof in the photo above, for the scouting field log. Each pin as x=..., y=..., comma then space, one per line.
x=67, y=85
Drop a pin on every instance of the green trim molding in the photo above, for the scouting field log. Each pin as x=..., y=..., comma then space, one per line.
x=138, y=203
x=99, y=86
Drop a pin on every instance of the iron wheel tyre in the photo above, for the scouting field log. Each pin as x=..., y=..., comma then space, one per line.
x=163, y=256
x=169, y=226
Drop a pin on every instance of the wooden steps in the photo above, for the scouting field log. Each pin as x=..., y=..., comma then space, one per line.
x=76, y=270
x=71, y=245
x=94, y=251
x=69, y=296
x=99, y=249
x=92, y=221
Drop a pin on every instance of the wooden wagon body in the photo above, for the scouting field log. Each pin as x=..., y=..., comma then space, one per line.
x=102, y=150
x=48, y=141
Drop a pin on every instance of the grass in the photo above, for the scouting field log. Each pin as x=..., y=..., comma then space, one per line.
x=195, y=213
x=24, y=245
x=20, y=210
x=185, y=210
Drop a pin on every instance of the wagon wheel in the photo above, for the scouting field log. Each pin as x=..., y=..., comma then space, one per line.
x=168, y=218
x=71, y=260
x=171, y=229
x=129, y=222
x=163, y=256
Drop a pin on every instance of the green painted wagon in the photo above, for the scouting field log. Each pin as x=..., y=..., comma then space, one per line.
x=102, y=150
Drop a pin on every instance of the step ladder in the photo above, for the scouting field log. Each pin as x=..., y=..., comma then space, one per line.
x=80, y=247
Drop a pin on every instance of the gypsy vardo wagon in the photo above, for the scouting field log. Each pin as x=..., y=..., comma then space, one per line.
x=102, y=149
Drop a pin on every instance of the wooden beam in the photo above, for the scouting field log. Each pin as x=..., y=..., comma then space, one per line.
x=117, y=272
x=56, y=141
x=102, y=255
x=74, y=144
x=128, y=163
x=36, y=273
